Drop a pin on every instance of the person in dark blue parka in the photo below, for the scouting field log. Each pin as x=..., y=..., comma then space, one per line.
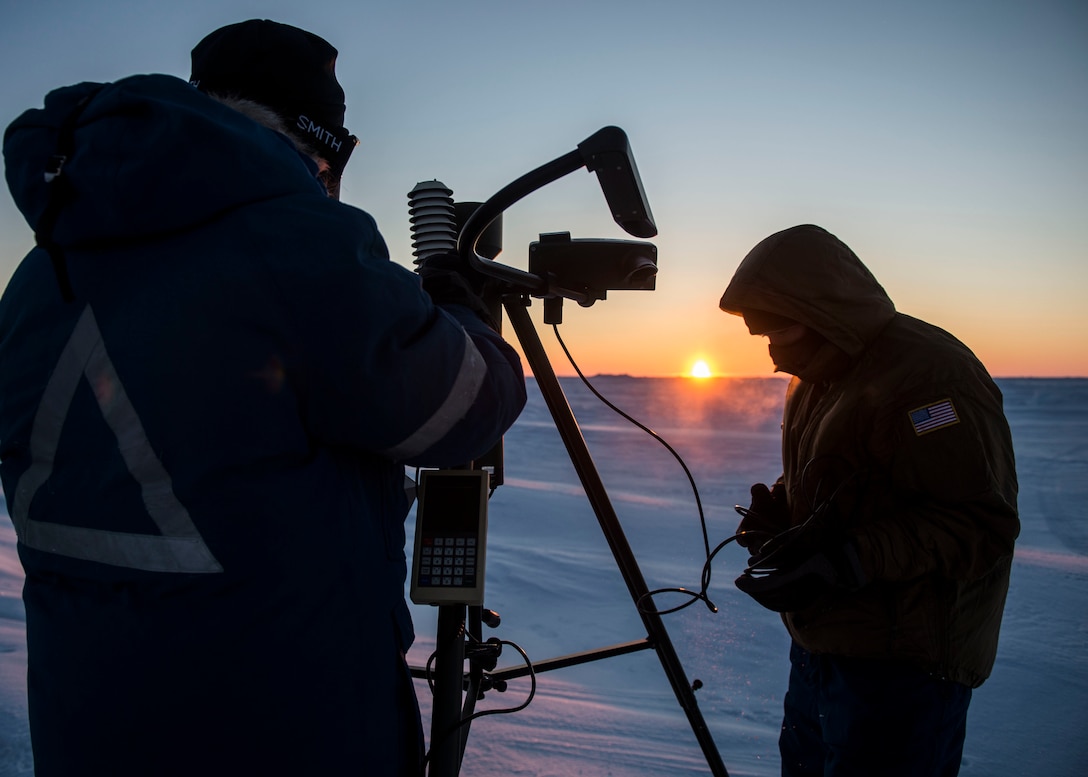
x=213, y=378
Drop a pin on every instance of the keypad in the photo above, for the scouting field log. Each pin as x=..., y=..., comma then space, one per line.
x=447, y=562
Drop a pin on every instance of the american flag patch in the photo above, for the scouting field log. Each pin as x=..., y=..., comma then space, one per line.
x=933, y=417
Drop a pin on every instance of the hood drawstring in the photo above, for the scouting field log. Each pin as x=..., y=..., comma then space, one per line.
x=60, y=194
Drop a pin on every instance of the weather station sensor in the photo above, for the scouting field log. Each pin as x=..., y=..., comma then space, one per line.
x=593, y=266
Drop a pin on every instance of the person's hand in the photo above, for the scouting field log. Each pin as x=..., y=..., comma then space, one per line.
x=767, y=516
x=448, y=280
x=447, y=263
x=799, y=566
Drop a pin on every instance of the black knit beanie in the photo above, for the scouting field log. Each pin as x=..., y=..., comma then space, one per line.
x=284, y=68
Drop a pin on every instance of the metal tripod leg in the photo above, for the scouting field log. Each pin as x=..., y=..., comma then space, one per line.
x=569, y=431
x=449, y=669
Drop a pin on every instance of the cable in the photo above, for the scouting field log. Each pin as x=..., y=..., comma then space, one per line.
x=528, y=699
x=777, y=542
x=701, y=595
x=503, y=711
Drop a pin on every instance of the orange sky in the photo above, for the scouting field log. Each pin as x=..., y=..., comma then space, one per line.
x=634, y=336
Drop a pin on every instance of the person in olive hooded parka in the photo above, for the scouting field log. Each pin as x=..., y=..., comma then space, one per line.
x=887, y=542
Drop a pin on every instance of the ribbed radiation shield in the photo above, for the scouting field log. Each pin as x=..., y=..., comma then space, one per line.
x=433, y=219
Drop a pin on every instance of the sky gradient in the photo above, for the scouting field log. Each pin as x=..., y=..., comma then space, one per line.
x=944, y=142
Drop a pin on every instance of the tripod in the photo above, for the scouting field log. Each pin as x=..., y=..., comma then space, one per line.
x=583, y=271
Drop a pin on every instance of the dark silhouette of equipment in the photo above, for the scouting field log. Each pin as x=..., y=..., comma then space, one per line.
x=559, y=268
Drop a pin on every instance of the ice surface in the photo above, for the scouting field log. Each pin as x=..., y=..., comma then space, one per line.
x=553, y=580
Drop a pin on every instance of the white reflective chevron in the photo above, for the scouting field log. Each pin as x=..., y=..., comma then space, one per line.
x=179, y=548
x=466, y=386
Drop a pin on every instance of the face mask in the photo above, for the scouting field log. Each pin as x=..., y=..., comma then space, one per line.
x=796, y=356
x=811, y=358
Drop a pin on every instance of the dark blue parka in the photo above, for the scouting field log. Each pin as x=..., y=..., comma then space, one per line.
x=203, y=452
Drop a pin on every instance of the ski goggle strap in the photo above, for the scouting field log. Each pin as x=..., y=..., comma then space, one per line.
x=333, y=144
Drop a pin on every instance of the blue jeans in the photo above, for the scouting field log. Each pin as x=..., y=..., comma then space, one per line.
x=849, y=717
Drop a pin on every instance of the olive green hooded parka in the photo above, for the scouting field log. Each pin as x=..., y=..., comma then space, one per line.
x=904, y=433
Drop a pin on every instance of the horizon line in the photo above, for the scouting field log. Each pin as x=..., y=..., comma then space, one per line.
x=783, y=376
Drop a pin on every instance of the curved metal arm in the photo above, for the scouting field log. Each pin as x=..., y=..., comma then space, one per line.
x=607, y=153
x=519, y=280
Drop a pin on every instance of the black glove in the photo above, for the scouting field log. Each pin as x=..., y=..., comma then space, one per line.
x=799, y=566
x=449, y=280
x=768, y=515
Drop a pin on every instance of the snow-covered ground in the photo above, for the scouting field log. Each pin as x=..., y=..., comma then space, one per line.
x=553, y=580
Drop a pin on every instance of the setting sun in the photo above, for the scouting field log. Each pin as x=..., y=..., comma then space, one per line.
x=700, y=370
